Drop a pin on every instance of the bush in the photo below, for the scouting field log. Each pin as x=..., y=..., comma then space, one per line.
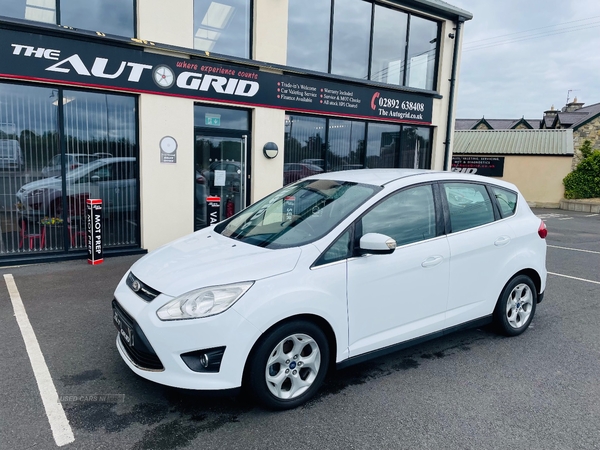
x=584, y=181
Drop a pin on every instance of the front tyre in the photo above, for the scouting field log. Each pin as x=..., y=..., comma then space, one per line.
x=289, y=365
x=516, y=306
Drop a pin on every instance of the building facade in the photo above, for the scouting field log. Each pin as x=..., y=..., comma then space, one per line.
x=178, y=114
x=536, y=161
x=583, y=120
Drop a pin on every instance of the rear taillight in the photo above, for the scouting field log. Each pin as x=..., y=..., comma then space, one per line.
x=542, y=230
x=74, y=166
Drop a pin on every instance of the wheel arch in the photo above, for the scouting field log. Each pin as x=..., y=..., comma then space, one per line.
x=319, y=321
x=532, y=274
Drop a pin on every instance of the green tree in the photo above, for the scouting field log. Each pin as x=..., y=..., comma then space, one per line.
x=584, y=181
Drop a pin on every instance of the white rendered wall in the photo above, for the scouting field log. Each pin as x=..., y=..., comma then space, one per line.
x=166, y=190
x=168, y=22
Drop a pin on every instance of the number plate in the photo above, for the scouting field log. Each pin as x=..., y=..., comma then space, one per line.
x=123, y=327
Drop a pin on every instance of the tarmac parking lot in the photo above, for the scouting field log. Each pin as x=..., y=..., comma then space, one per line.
x=64, y=383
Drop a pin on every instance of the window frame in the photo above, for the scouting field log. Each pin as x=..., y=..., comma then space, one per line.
x=410, y=14
x=365, y=154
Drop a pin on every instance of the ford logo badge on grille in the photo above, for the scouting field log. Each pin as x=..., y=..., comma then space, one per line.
x=136, y=286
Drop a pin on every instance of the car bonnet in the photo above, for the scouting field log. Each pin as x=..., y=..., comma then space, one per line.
x=206, y=258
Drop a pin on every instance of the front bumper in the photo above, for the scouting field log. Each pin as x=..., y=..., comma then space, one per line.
x=168, y=340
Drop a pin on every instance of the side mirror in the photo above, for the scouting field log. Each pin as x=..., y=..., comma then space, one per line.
x=377, y=244
x=95, y=179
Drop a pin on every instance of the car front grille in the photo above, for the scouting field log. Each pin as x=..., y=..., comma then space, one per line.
x=143, y=291
x=141, y=353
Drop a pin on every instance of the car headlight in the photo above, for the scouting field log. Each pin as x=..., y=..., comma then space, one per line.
x=203, y=302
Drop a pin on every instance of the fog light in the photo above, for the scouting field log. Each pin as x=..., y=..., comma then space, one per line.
x=204, y=360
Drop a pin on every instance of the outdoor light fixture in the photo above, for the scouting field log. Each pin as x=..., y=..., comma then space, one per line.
x=270, y=150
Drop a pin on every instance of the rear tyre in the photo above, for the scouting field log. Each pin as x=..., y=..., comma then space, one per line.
x=516, y=306
x=289, y=365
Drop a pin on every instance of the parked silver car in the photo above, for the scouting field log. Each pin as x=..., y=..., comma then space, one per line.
x=73, y=161
x=111, y=179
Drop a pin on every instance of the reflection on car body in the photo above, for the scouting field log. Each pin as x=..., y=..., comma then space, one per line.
x=331, y=270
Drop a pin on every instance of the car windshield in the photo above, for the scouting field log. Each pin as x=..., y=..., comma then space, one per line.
x=296, y=214
x=8, y=147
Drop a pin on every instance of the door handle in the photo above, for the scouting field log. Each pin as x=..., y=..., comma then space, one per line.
x=502, y=240
x=432, y=261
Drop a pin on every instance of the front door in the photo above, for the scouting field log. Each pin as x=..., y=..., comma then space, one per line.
x=221, y=178
x=400, y=296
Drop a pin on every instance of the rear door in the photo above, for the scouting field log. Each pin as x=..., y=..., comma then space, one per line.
x=480, y=245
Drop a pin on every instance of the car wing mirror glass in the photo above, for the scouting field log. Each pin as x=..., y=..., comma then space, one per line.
x=377, y=244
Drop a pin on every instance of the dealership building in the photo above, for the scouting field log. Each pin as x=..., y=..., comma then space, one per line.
x=178, y=114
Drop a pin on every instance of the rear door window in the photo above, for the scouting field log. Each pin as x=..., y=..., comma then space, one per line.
x=469, y=205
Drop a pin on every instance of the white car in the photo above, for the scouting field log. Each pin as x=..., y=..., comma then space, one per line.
x=330, y=271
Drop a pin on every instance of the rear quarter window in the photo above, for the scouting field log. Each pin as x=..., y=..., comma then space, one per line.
x=507, y=201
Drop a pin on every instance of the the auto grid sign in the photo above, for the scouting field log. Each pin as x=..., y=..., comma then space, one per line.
x=127, y=67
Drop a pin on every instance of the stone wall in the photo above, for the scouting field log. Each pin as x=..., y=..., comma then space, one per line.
x=590, y=131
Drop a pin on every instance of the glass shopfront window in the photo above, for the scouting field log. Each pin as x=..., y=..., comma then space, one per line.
x=345, y=144
x=306, y=50
x=65, y=147
x=389, y=45
x=383, y=145
x=222, y=27
x=315, y=144
x=422, y=50
x=107, y=16
x=366, y=41
x=303, y=147
x=351, y=29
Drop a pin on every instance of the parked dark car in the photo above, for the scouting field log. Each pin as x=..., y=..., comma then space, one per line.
x=296, y=171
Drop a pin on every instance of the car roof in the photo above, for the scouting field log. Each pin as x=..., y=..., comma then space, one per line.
x=381, y=177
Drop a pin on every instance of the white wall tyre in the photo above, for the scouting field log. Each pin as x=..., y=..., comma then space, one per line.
x=516, y=306
x=289, y=365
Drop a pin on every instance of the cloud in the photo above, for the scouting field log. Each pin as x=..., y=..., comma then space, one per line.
x=514, y=74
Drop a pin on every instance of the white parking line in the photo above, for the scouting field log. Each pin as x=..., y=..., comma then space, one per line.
x=592, y=215
x=573, y=278
x=566, y=218
x=61, y=430
x=574, y=249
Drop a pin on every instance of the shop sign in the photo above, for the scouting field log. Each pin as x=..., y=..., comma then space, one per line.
x=213, y=210
x=213, y=120
x=30, y=56
x=94, y=231
x=480, y=165
x=168, y=150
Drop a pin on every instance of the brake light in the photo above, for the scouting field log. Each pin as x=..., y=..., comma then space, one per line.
x=74, y=166
x=542, y=230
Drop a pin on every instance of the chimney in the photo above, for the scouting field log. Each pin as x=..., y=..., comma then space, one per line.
x=551, y=112
x=573, y=106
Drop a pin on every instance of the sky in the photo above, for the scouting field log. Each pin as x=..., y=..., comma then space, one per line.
x=520, y=57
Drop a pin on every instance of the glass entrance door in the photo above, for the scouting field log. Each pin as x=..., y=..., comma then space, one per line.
x=220, y=178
